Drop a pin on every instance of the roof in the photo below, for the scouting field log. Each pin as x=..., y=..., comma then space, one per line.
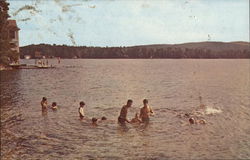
x=12, y=25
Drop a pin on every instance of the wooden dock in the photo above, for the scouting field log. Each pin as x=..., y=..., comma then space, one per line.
x=25, y=66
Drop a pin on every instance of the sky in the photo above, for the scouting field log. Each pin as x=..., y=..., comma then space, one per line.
x=129, y=22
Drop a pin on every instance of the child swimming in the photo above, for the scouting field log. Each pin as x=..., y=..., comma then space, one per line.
x=54, y=106
x=103, y=118
x=196, y=121
x=94, y=121
x=136, y=119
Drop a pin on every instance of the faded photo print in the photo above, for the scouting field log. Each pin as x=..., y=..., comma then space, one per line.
x=124, y=80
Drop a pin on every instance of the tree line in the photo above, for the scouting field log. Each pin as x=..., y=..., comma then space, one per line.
x=65, y=51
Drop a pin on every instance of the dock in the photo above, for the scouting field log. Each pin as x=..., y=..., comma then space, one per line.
x=25, y=66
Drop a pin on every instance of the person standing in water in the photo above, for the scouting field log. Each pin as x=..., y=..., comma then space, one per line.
x=145, y=112
x=44, y=104
x=80, y=110
x=123, y=114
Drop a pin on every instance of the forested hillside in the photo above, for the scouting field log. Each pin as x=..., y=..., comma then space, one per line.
x=187, y=50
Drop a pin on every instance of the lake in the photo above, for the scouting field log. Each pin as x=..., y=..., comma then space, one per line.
x=173, y=87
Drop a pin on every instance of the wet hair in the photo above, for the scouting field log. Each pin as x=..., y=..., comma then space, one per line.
x=54, y=104
x=129, y=101
x=44, y=98
x=94, y=119
x=145, y=101
x=186, y=115
x=104, y=118
x=82, y=103
x=191, y=120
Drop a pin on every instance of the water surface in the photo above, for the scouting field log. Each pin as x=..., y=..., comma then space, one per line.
x=172, y=87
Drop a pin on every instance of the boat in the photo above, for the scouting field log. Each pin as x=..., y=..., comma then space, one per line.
x=27, y=56
x=16, y=65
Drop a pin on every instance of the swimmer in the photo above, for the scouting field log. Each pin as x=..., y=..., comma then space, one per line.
x=146, y=111
x=193, y=121
x=80, y=110
x=202, y=121
x=44, y=103
x=54, y=106
x=103, y=118
x=136, y=119
x=123, y=114
x=94, y=121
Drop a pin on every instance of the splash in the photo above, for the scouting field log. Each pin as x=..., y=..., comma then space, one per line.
x=211, y=110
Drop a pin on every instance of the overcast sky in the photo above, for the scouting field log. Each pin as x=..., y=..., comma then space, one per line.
x=129, y=22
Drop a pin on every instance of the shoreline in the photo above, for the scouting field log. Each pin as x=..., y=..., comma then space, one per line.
x=5, y=68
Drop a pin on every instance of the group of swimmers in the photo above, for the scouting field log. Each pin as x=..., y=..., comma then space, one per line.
x=145, y=112
x=45, y=106
x=143, y=117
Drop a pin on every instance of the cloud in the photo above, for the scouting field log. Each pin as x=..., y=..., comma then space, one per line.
x=115, y=23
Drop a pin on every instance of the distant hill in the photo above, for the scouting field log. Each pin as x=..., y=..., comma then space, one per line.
x=217, y=46
x=185, y=50
x=213, y=46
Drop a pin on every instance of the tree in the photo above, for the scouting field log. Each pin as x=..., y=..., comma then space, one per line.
x=6, y=54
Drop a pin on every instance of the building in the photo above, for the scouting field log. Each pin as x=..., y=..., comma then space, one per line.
x=13, y=35
x=38, y=55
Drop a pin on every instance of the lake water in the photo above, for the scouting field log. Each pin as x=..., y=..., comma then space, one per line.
x=172, y=87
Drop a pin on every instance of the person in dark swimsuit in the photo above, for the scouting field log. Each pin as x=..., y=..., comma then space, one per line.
x=122, y=119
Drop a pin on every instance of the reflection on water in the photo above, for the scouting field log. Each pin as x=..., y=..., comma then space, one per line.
x=216, y=90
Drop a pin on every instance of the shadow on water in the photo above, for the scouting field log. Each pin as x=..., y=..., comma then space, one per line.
x=11, y=114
